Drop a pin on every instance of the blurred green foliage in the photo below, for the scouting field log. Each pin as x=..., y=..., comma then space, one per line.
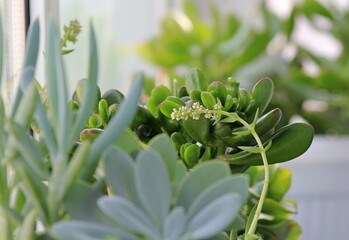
x=223, y=45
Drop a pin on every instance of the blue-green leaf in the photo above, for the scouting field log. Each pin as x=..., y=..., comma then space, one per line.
x=89, y=231
x=174, y=224
x=163, y=146
x=203, y=176
x=90, y=95
x=128, y=216
x=232, y=184
x=76, y=208
x=44, y=125
x=119, y=169
x=153, y=185
x=56, y=88
x=30, y=59
x=215, y=217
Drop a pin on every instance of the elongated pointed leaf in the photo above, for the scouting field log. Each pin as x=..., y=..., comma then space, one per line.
x=26, y=107
x=75, y=165
x=128, y=216
x=203, y=176
x=215, y=217
x=34, y=188
x=90, y=95
x=29, y=151
x=57, y=89
x=28, y=227
x=115, y=127
x=30, y=59
x=153, y=185
x=250, y=218
x=88, y=231
x=119, y=169
x=44, y=125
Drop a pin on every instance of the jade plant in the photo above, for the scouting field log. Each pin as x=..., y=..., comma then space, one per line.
x=180, y=165
x=224, y=122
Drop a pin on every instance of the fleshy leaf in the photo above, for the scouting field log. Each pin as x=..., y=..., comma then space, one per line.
x=215, y=217
x=195, y=79
x=153, y=185
x=127, y=215
x=89, y=231
x=174, y=224
x=202, y=176
x=119, y=169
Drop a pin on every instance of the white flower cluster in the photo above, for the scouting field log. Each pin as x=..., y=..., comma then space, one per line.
x=194, y=112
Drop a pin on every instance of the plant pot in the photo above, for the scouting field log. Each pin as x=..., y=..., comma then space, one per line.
x=319, y=185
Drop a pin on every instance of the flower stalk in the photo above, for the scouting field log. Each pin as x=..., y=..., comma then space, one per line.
x=216, y=114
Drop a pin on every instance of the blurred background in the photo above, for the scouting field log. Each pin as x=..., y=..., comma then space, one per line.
x=303, y=45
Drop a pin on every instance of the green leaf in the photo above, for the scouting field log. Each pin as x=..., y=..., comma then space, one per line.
x=233, y=235
x=262, y=93
x=34, y=189
x=195, y=79
x=128, y=142
x=275, y=209
x=44, y=125
x=75, y=165
x=164, y=147
x=85, y=230
x=191, y=155
x=251, y=149
x=202, y=176
x=215, y=217
x=208, y=100
x=115, y=128
x=250, y=218
x=199, y=129
x=314, y=7
x=90, y=96
x=128, y=216
x=288, y=143
x=153, y=185
x=279, y=184
x=29, y=151
x=119, y=170
x=28, y=226
x=159, y=94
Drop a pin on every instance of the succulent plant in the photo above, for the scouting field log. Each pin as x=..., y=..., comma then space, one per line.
x=154, y=197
